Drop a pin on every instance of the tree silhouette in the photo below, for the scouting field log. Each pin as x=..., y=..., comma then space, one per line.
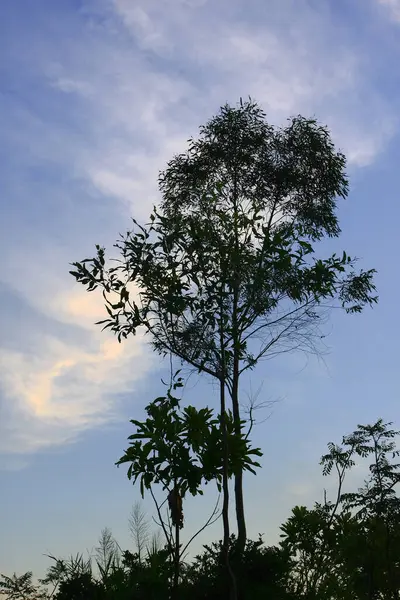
x=226, y=272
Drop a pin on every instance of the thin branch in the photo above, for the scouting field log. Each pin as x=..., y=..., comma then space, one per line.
x=210, y=521
x=167, y=537
x=253, y=406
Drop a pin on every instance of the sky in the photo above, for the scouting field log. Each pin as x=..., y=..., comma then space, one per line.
x=95, y=97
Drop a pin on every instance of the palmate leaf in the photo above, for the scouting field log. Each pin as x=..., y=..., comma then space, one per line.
x=185, y=445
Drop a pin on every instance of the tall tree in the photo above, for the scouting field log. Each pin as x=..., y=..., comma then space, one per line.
x=226, y=271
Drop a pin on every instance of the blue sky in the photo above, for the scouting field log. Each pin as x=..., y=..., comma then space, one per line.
x=95, y=97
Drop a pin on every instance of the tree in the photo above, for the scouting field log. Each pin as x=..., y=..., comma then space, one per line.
x=181, y=449
x=349, y=549
x=21, y=588
x=81, y=587
x=226, y=272
x=262, y=573
x=376, y=507
x=69, y=576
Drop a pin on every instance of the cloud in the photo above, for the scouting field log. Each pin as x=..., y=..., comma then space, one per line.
x=71, y=376
x=285, y=63
x=393, y=6
x=73, y=86
x=141, y=97
x=66, y=388
x=147, y=30
x=43, y=385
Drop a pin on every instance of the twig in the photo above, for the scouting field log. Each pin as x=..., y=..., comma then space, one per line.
x=210, y=521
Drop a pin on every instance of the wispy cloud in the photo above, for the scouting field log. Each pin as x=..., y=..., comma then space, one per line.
x=284, y=62
x=66, y=387
x=393, y=6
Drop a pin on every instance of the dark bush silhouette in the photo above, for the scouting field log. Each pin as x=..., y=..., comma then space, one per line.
x=347, y=548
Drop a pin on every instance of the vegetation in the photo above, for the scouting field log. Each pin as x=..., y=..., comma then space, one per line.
x=347, y=548
x=226, y=273
x=182, y=450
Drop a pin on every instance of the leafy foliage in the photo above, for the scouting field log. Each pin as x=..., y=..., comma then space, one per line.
x=350, y=549
x=182, y=447
x=226, y=271
x=346, y=549
x=240, y=213
x=21, y=587
x=262, y=572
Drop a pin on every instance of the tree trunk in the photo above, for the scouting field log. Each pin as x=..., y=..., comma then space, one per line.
x=225, y=513
x=225, y=474
x=240, y=516
x=177, y=553
x=175, y=588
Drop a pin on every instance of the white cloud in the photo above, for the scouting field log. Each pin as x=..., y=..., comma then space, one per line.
x=286, y=64
x=147, y=30
x=66, y=387
x=68, y=384
x=73, y=86
x=143, y=97
x=393, y=6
